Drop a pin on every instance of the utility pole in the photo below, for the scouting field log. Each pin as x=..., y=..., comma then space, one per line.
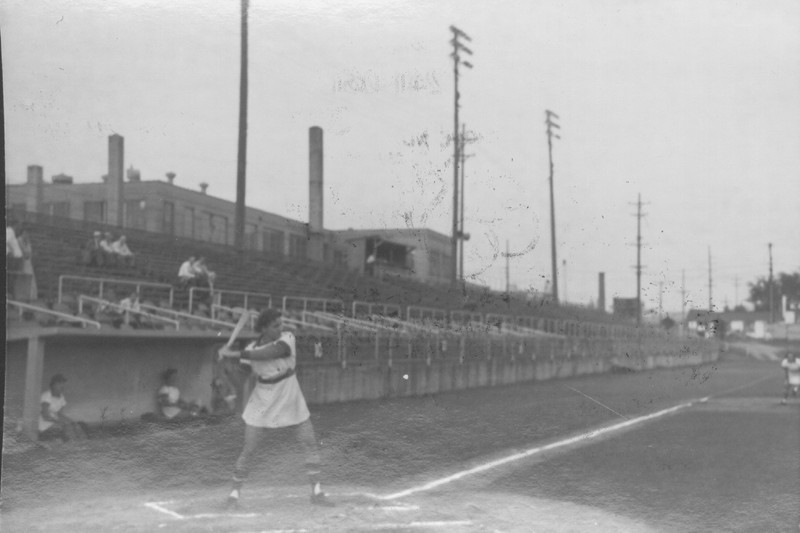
x=241, y=158
x=710, y=283
x=639, y=216
x=462, y=235
x=508, y=275
x=736, y=292
x=683, y=301
x=549, y=116
x=564, y=267
x=771, y=291
x=457, y=47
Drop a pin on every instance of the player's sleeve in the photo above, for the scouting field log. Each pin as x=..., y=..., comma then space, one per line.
x=287, y=338
x=785, y=363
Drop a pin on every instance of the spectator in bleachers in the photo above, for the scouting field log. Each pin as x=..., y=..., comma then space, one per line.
x=24, y=242
x=109, y=256
x=121, y=250
x=203, y=276
x=53, y=423
x=13, y=250
x=13, y=261
x=170, y=404
x=131, y=303
x=92, y=253
x=186, y=275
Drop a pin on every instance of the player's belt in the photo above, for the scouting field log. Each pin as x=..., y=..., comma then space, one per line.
x=276, y=379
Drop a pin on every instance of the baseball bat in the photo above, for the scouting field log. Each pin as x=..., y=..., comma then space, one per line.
x=238, y=328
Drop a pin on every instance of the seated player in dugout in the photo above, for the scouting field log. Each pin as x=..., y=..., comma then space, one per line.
x=53, y=423
x=275, y=402
x=170, y=404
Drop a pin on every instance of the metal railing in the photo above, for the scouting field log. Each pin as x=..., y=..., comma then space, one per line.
x=64, y=316
x=372, y=308
x=187, y=317
x=417, y=313
x=103, y=283
x=219, y=295
x=302, y=303
x=124, y=311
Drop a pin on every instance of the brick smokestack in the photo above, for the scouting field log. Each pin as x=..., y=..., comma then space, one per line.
x=601, y=298
x=114, y=184
x=315, y=180
x=35, y=180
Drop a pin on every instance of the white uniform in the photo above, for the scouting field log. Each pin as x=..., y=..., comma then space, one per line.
x=54, y=405
x=173, y=395
x=279, y=404
x=793, y=368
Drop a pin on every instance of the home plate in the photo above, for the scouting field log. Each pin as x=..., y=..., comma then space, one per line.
x=293, y=512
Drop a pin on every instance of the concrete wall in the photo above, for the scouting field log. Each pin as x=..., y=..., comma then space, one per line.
x=114, y=378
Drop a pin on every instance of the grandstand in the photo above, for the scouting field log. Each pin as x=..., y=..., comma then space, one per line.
x=57, y=241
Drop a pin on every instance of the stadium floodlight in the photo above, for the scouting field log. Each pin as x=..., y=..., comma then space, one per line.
x=467, y=64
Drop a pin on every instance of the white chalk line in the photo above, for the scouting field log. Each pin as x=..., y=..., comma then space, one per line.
x=157, y=506
x=160, y=507
x=419, y=524
x=559, y=444
x=533, y=451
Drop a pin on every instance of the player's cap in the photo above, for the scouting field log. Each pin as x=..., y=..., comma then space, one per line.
x=58, y=378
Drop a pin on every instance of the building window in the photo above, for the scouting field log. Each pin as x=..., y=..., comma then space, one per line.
x=297, y=246
x=56, y=209
x=272, y=241
x=169, y=218
x=251, y=236
x=189, y=223
x=94, y=211
x=134, y=214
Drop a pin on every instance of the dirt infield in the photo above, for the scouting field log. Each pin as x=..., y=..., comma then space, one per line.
x=177, y=479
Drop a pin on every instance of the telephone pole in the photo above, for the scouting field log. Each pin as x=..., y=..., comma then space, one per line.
x=457, y=48
x=549, y=116
x=638, y=267
x=710, y=283
x=683, y=296
x=508, y=275
x=462, y=235
x=771, y=290
x=241, y=159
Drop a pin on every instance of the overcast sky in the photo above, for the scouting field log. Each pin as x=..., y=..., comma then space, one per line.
x=693, y=104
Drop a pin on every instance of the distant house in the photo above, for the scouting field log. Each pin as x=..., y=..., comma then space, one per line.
x=710, y=323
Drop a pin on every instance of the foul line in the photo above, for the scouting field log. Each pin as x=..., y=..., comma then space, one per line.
x=560, y=444
x=533, y=451
x=156, y=506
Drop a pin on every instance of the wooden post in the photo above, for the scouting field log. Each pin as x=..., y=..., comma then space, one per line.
x=33, y=387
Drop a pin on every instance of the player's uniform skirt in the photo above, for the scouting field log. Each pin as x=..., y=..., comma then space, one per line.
x=276, y=405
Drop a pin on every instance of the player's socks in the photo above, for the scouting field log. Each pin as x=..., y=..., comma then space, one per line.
x=318, y=497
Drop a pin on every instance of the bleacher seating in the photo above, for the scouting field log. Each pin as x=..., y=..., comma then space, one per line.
x=57, y=241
